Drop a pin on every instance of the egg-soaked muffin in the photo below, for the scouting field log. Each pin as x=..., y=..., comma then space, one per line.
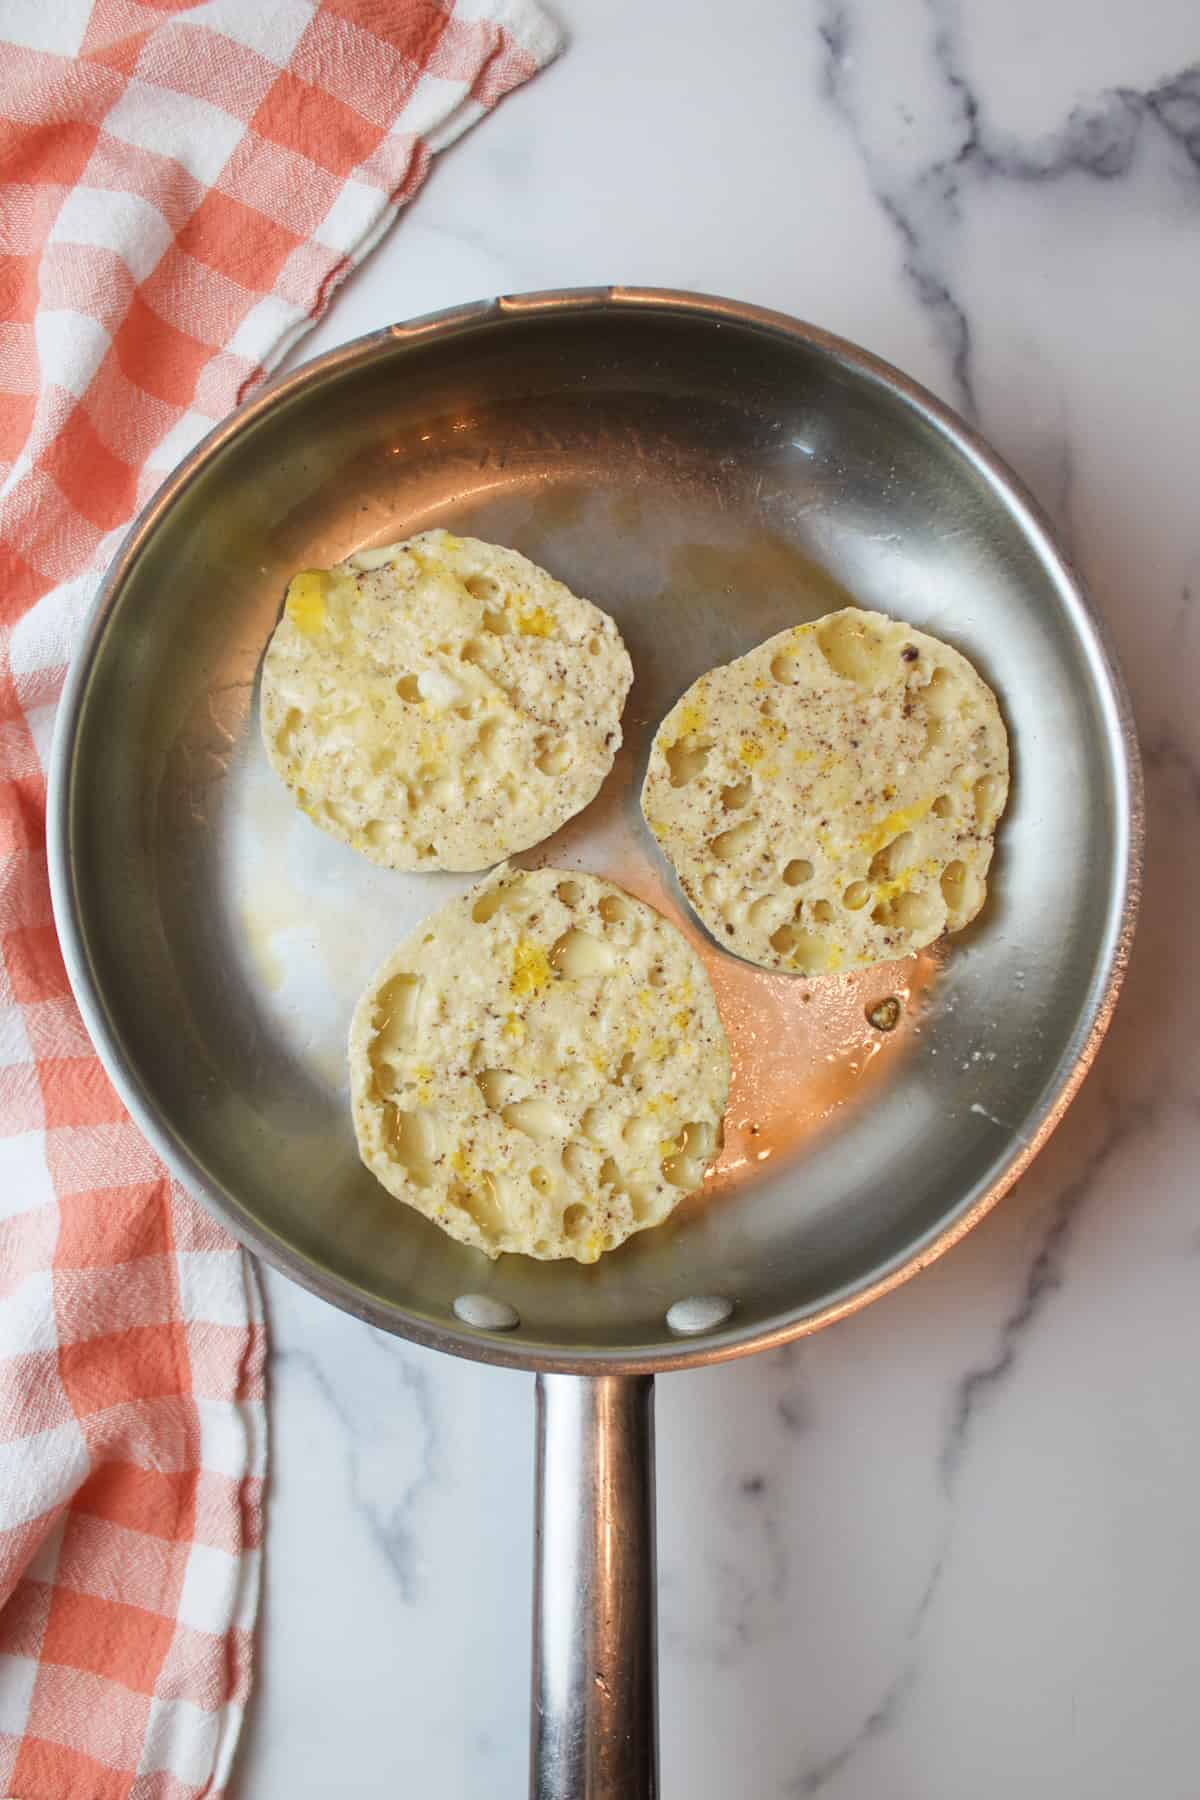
x=540, y=1067
x=831, y=798
x=441, y=703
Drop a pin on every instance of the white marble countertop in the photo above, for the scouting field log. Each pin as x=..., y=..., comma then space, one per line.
x=952, y=1546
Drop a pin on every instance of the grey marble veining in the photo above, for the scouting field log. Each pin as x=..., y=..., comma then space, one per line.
x=372, y=1447
x=951, y=1546
x=928, y=142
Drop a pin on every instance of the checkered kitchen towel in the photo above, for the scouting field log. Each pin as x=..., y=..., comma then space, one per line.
x=183, y=188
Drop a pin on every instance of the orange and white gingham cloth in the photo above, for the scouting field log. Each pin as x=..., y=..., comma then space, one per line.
x=183, y=188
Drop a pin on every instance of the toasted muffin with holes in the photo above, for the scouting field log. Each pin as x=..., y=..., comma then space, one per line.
x=541, y=1067
x=441, y=703
x=830, y=800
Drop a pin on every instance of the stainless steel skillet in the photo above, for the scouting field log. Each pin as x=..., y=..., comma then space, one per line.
x=709, y=473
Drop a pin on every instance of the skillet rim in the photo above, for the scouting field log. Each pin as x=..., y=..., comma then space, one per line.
x=1023, y=1145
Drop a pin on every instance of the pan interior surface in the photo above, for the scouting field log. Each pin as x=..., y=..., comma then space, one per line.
x=709, y=478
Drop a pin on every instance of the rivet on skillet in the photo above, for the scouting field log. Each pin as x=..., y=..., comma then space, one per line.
x=486, y=1313
x=699, y=1312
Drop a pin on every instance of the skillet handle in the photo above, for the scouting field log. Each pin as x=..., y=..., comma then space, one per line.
x=595, y=1675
